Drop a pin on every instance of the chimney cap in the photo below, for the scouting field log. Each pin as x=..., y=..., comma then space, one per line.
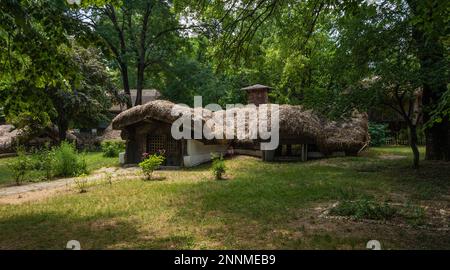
x=256, y=87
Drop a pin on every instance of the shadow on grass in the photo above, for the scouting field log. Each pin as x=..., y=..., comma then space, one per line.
x=46, y=230
x=431, y=181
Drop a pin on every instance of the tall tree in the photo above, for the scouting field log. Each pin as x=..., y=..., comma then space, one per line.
x=139, y=34
x=430, y=20
x=87, y=101
x=31, y=35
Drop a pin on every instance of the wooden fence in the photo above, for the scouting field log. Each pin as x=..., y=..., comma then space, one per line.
x=395, y=141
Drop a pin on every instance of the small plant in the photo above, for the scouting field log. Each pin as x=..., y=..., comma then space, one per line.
x=347, y=193
x=414, y=215
x=81, y=183
x=151, y=163
x=112, y=148
x=20, y=165
x=81, y=164
x=218, y=167
x=108, y=178
x=364, y=209
x=67, y=161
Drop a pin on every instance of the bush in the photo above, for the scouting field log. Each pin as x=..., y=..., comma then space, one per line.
x=20, y=165
x=377, y=134
x=67, y=161
x=151, y=163
x=112, y=148
x=364, y=209
x=218, y=167
x=44, y=160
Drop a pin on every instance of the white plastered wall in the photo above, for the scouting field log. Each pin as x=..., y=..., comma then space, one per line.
x=198, y=153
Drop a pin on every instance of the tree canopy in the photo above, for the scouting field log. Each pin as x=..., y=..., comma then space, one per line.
x=327, y=55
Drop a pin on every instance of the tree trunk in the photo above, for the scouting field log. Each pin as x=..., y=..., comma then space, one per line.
x=63, y=126
x=431, y=56
x=140, y=82
x=126, y=84
x=437, y=141
x=413, y=143
x=141, y=50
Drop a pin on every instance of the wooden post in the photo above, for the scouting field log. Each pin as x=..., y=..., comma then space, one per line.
x=304, y=152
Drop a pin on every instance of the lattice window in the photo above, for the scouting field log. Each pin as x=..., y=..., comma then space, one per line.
x=166, y=142
x=172, y=146
x=156, y=142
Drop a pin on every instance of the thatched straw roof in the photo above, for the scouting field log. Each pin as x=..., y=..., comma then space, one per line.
x=8, y=135
x=350, y=135
x=158, y=110
x=256, y=87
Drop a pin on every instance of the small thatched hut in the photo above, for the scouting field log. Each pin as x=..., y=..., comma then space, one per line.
x=302, y=135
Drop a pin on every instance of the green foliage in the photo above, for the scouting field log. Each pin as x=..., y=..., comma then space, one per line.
x=68, y=162
x=32, y=34
x=370, y=209
x=89, y=98
x=441, y=111
x=44, y=160
x=112, y=148
x=46, y=77
x=414, y=215
x=151, y=163
x=218, y=167
x=364, y=209
x=377, y=134
x=141, y=36
x=20, y=166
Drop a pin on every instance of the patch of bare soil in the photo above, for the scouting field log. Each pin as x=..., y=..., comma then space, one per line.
x=37, y=195
x=392, y=157
x=98, y=177
x=104, y=224
x=310, y=224
x=432, y=218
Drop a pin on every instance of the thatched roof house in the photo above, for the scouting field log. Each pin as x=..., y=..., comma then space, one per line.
x=302, y=133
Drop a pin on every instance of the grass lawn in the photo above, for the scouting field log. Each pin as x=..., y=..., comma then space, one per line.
x=94, y=160
x=261, y=206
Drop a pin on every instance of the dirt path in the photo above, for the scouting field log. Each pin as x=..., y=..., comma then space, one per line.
x=28, y=192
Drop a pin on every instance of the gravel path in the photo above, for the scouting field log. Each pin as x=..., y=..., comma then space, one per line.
x=68, y=182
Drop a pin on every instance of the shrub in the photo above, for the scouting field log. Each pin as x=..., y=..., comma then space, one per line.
x=112, y=148
x=81, y=183
x=218, y=167
x=44, y=160
x=20, y=165
x=151, y=163
x=67, y=161
x=364, y=209
x=377, y=134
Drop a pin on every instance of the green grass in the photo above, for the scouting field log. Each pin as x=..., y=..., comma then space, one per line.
x=94, y=160
x=261, y=206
